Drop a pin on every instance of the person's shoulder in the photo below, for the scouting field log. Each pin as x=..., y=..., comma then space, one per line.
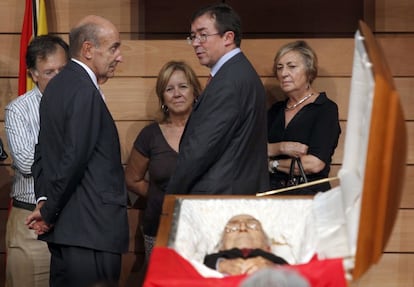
x=152, y=126
x=324, y=99
x=150, y=129
x=23, y=100
x=278, y=105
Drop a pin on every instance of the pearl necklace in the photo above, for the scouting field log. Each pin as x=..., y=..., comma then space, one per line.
x=298, y=103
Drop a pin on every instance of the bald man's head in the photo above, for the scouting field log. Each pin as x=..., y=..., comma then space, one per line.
x=95, y=41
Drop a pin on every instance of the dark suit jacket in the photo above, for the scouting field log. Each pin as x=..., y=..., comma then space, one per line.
x=78, y=166
x=223, y=149
x=211, y=259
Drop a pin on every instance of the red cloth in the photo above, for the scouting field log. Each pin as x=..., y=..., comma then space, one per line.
x=168, y=268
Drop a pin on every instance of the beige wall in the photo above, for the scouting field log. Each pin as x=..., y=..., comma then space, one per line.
x=130, y=95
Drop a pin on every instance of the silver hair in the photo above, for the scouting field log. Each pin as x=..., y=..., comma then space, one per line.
x=275, y=277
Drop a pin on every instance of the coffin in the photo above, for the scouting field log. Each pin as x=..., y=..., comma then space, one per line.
x=351, y=223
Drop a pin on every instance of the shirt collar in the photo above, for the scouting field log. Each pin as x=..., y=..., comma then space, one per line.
x=89, y=71
x=91, y=75
x=223, y=60
x=37, y=92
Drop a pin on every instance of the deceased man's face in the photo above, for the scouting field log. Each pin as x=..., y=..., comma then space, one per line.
x=244, y=231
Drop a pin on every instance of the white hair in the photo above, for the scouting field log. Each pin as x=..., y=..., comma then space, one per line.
x=275, y=277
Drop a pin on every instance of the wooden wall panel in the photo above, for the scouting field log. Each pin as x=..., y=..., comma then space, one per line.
x=63, y=14
x=392, y=270
x=11, y=16
x=394, y=16
x=133, y=98
x=145, y=57
x=128, y=131
x=339, y=19
x=9, y=55
x=8, y=91
x=402, y=238
x=407, y=200
x=337, y=158
x=396, y=50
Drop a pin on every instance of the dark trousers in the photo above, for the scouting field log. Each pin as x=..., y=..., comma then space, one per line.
x=72, y=266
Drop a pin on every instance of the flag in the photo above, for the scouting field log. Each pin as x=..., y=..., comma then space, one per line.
x=167, y=268
x=34, y=24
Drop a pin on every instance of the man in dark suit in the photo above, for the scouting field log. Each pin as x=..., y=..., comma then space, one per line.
x=79, y=181
x=223, y=149
x=244, y=248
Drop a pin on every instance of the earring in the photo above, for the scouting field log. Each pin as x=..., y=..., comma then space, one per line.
x=164, y=108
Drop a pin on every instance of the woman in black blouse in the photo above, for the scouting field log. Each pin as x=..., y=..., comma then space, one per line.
x=154, y=154
x=305, y=125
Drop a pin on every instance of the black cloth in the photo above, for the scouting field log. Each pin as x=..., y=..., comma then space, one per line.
x=317, y=126
x=82, y=267
x=78, y=167
x=210, y=260
x=152, y=144
x=223, y=149
x=3, y=154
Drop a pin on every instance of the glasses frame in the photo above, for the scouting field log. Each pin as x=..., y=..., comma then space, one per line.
x=251, y=224
x=200, y=38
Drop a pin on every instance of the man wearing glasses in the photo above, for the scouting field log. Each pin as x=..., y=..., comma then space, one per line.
x=28, y=258
x=244, y=248
x=223, y=148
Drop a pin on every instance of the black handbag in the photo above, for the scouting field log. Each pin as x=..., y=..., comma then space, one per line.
x=293, y=178
x=3, y=154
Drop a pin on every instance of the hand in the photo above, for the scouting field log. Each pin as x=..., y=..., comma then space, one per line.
x=243, y=266
x=251, y=265
x=35, y=221
x=231, y=266
x=293, y=149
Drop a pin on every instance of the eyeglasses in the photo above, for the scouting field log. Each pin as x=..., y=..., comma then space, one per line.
x=235, y=226
x=200, y=38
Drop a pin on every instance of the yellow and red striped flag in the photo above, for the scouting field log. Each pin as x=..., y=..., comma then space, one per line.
x=34, y=24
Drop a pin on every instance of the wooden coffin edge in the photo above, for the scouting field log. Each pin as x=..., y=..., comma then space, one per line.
x=385, y=165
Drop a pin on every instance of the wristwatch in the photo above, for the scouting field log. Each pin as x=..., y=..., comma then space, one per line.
x=274, y=165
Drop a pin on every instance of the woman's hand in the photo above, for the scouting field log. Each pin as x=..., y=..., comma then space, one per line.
x=291, y=149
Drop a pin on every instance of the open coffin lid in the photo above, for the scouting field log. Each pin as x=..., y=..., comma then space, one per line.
x=331, y=224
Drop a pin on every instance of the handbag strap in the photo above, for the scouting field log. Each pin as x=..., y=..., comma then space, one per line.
x=301, y=169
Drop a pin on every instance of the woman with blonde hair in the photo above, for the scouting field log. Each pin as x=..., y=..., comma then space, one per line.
x=156, y=147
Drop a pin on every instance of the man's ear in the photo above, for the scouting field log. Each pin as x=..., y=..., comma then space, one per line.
x=229, y=38
x=87, y=50
x=33, y=74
